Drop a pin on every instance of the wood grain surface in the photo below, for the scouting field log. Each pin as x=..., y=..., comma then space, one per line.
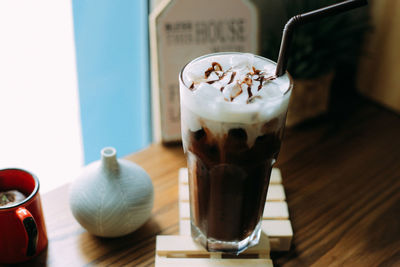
x=342, y=180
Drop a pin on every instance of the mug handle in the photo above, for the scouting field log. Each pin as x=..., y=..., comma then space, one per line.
x=31, y=232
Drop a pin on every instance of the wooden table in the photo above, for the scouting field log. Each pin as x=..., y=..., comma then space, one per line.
x=342, y=181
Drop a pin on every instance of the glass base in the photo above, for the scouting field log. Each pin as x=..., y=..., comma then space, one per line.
x=234, y=247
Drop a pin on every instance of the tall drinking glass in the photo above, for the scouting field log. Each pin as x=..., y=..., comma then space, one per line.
x=233, y=112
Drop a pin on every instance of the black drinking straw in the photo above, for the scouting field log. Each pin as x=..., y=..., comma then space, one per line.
x=307, y=17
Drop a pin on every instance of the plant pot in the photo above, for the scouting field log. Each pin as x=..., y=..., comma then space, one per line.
x=310, y=98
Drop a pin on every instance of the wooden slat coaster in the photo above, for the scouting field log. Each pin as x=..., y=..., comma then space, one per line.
x=181, y=250
x=276, y=233
x=280, y=232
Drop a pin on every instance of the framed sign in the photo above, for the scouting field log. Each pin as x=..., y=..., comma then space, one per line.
x=181, y=30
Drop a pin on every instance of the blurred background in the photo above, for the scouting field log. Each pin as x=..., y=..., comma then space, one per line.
x=75, y=75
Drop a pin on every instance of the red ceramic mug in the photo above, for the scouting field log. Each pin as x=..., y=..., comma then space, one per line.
x=22, y=228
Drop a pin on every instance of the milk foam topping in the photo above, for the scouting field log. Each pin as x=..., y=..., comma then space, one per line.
x=234, y=88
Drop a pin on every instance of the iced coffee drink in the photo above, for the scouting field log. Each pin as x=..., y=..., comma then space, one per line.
x=233, y=111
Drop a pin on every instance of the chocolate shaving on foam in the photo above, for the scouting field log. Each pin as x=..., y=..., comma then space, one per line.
x=208, y=72
x=191, y=86
x=271, y=78
x=248, y=80
x=262, y=78
x=232, y=77
x=215, y=66
x=237, y=93
x=256, y=71
x=249, y=92
x=261, y=83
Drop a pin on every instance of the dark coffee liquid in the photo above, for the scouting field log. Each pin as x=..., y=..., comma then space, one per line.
x=229, y=180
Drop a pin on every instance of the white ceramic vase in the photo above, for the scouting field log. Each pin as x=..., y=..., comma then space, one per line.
x=112, y=197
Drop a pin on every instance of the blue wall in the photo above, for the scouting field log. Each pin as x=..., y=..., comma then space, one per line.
x=111, y=38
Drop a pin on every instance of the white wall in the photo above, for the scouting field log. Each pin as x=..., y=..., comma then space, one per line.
x=39, y=107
